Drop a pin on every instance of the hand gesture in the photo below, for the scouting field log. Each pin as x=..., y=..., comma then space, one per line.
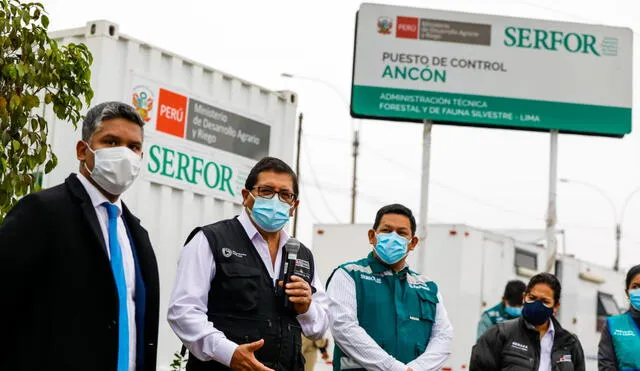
x=243, y=358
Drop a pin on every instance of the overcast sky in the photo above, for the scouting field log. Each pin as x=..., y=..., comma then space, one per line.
x=484, y=178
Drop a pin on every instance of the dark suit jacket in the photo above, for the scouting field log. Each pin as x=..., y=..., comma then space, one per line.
x=59, y=304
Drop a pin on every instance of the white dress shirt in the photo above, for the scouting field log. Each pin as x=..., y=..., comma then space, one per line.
x=97, y=199
x=362, y=350
x=546, y=346
x=188, y=304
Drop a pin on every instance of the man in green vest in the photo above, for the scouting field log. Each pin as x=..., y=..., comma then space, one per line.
x=509, y=308
x=383, y=315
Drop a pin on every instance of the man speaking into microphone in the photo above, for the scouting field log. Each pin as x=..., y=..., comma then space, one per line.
x=244, y=291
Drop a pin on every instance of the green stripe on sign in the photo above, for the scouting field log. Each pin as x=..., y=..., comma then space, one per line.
x=388, y=103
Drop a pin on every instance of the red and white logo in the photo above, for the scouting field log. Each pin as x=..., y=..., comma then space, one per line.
x=407, y=27
x=172, y=113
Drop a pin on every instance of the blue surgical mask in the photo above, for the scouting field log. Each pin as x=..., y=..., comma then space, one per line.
x=270, y=214
x=634, y=297
x=536, y=313
x=513, y=311
x=391, y=247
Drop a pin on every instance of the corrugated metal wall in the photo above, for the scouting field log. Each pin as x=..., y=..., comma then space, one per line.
x=169, y=214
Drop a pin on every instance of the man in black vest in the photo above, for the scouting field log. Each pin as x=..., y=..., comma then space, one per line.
x=227, y=306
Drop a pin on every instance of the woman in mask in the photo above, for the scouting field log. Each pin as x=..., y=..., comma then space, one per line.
x=619, y=347
x=533, y=342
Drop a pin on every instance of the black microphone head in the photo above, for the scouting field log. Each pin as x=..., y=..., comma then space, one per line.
x=292, y=247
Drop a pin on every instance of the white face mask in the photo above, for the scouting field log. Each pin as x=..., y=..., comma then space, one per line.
x=114, y=168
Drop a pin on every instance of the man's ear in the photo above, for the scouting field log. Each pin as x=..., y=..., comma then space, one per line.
x=245, y=197
x=81, y=150
x=294, y=207
x=413, y=243
x=372, y=237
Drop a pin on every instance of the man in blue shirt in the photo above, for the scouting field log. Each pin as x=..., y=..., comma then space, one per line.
x=509, y=308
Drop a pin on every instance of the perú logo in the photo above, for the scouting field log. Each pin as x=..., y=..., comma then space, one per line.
x=226, y=252
x=172, y=108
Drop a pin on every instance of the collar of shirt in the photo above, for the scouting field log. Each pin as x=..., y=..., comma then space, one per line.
x=253, y=233
x=550, y=331
x=378, y=267
x=97, y=198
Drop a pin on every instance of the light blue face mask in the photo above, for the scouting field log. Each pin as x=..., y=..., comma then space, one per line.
x=513, y=311
x=634, y=298
x=270, y=214
x=391, y=247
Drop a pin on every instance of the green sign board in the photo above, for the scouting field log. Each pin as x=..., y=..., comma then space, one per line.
x=479, y=70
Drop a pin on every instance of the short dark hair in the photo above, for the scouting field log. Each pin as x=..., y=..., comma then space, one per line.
x=108, y=111
x=548, y=279
x=270, y=164
x=633, y=272
x=395, y=209
x=513, y=292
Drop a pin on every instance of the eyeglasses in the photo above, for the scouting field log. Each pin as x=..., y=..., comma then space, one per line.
x=268, y=192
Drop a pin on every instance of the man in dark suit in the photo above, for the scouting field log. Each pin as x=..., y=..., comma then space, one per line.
x=78, y=276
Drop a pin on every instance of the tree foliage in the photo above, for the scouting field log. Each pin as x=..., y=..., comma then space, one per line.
x=36, y=75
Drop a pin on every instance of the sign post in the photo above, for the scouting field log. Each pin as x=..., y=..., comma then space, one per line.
x=424, y=190
x=441, y=67
x=552, y=240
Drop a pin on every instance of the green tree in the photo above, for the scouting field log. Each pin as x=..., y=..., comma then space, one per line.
x=35, y=73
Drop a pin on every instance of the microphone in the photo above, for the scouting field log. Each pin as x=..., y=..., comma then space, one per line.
x=291, y=249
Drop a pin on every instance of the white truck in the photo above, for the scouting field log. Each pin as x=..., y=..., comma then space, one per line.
x=471, y=267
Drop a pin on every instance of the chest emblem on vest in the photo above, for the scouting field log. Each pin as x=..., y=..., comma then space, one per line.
x=519, y=346
x=227, y=253
x=303, y=264
x=565, y=358
x=370, y=278
x=623, y=333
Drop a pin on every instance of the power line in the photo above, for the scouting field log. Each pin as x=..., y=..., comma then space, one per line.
x=313, y=215
x=315, y=180
x=370, y=197
x=379, y=153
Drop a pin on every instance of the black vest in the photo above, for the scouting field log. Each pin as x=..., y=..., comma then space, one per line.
x=245, y=305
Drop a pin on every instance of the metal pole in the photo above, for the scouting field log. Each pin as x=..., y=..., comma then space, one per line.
x=616, y=264
x=299, y=142
x=552, y=241
x=424, y=192
x=356, y=145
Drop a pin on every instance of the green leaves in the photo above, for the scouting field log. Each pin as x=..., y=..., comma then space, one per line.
x=15, y=101
x=34, y=70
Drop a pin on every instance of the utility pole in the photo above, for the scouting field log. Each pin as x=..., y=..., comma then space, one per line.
x=354, y=129
x=299, y=143
x=356, y=145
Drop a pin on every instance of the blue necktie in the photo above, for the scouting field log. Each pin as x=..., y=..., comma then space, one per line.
x=121, y=284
